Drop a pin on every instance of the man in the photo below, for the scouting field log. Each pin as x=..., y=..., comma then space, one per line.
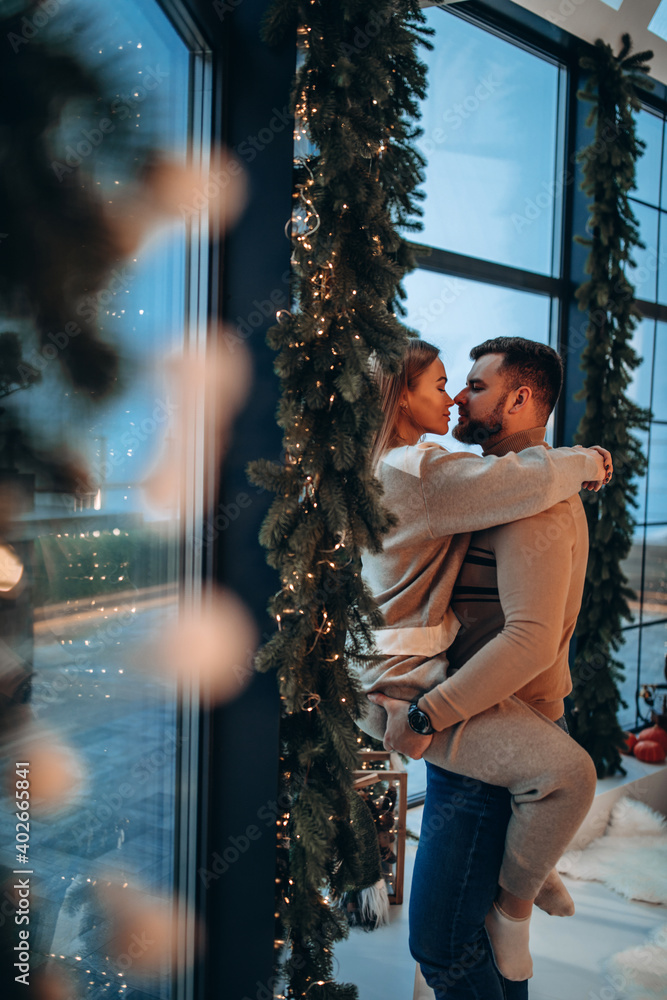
x=518, y=596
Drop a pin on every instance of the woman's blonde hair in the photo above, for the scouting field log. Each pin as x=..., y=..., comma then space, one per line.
x=418, y=357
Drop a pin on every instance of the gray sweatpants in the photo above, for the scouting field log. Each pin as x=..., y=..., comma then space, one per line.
x=550, y=777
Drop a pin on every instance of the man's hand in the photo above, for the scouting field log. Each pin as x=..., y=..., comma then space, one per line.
x=398, y=735
x=606, y=468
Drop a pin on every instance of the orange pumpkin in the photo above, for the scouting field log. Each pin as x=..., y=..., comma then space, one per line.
x=650, y=751
x=630, y=741
x=655, y=733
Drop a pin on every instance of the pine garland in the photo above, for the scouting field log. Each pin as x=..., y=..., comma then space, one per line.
x=355, y=99
x=608, y=360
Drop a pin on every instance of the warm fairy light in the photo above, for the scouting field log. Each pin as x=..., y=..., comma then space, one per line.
x=318, y=269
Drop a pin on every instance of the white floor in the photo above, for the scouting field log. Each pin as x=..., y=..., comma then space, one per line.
x=569, y=954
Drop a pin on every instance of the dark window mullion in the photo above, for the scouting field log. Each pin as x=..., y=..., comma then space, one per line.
x=478, y=269
x=560, y=161
x=646, y=204
x=652, y=310
x=638, y=625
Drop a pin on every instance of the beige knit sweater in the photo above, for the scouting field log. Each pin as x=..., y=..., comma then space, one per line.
x=517, y=596
x=440, y=497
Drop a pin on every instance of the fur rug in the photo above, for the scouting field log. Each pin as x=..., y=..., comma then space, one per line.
x=641, y=973
x=630, y=857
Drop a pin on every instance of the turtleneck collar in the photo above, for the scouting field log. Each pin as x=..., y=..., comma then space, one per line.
x=518, y=441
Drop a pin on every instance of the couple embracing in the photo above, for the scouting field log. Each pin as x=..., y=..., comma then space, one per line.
x=480, y=583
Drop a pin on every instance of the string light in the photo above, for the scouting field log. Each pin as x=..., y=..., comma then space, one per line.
x=317, y=343
x=310, y=703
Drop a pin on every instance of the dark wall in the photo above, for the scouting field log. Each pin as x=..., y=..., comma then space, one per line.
x=250, y=283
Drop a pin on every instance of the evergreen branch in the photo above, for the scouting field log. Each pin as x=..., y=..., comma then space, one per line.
x=609, y=167
x=355, y=98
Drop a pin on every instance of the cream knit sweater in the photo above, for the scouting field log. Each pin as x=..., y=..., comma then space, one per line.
x=440, y=497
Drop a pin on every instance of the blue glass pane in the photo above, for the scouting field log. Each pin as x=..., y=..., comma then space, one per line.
x=146, y=66
x=644, y=276
x=646, y=570
x=628, y=654
x=649, y=129
x=639, y=513
x=645, y=664
x=652, y=660
x=416, y=776
x=490, y=126
x=639, y=389
x=656, y=508
x=662, y=261
x=659, y=402
x=658, y=23
x=655, y=574
x=632, y=568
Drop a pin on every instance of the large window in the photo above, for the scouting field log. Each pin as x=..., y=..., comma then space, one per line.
x=501, y=132
x=493, y=141
x=493, y=122
x=107, y=574
x=491, y=137
x=643, y=653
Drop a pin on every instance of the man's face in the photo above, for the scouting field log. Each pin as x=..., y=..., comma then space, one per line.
x=482, y=403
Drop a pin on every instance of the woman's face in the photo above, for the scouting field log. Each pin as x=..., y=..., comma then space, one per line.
x=427, y=405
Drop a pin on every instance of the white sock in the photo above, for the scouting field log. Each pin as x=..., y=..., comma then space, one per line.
x=509, y=944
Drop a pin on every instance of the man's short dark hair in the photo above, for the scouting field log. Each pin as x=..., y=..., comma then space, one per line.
x=526, y=362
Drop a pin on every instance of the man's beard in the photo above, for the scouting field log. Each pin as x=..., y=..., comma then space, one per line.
x=479, y=431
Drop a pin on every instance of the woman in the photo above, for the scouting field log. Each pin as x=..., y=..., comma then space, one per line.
x=439, y=498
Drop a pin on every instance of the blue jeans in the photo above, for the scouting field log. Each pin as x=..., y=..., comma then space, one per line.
x=454, y=884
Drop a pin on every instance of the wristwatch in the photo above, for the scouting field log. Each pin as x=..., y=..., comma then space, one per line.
x=419, y=721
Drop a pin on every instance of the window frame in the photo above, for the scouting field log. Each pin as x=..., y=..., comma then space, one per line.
x=537, y=35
